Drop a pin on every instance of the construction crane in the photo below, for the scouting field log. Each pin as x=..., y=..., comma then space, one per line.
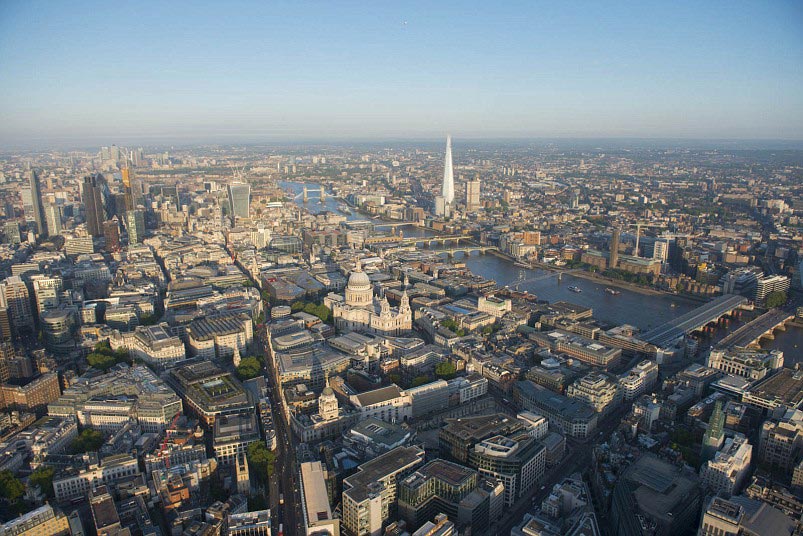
x=163, y=448
x=639, y=225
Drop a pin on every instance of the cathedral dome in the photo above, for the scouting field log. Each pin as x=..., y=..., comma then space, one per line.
x=328, y=391
x=358, y=280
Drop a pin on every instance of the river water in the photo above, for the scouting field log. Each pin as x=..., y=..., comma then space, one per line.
x=644, y=311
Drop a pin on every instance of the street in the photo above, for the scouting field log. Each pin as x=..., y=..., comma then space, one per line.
x=283, y=482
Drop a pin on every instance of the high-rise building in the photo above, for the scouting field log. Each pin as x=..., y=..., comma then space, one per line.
x=660, y=251
x=715, y=435
x=448, y=174
x=37, y=205
x=53, y=218
x=768, y=284
x=370, y=495
x=728, y=469
x=473, y=195
x=5, y=319
x=239, y=199
x=135, y=224
x=613, y=259
x=46, y=291
x=19, y=303
x=95, y=192
x=111, y=231
x=441, y=208
x=742, y=515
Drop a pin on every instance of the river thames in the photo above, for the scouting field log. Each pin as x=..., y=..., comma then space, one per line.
x=642, y=310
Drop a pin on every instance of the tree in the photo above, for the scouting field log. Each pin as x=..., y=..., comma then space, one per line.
x=43, y=477
x=101, y=361
x=775, y=299
x=419, y=380
x=148, y=320
x=445, y=370
x=11, y=488
x=261, y=459
x=88, y=440
x=249, y=367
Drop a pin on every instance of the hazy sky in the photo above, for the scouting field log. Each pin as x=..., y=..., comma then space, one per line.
x=113, y=71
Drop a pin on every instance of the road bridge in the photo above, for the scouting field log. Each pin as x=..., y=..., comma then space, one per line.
x=468, y=250
x=396, y=225
x=676, y=328
x=305, y=194
x=759, y=328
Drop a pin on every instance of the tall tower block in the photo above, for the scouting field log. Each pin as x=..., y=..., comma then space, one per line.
x=448, y=174
x=613, y=259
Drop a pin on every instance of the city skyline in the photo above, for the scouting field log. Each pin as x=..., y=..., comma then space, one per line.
x=247, y=73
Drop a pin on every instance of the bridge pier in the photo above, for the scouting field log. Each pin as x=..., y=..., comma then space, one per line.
x=306, y=196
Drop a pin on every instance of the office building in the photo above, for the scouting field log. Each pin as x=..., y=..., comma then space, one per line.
x=151, y=344
x=390, y=404
x=239, y=199
x=95, y=192
x=135, y=225
x=58, y=329
x=110, y=470
x=31, y=395
x=573, y=417
x=715, y=434
x=79, y=245
x=232, y=435
x=458, y=436
x=208, y=391
x=111, y=232
x=47, y=291
x=654, y=497
x=447, y=191
x=37, y=205
x=315, y=508
x=443, y=487
x=660, y=251
x=53, y=219
x=780, y=441
x=12, y=232
x=221, y=336
x=473, y=195
x=18, y=301
x=370, y=495
x=743, y=516
x=639, y=380
x=41, y=521
x=371, y=437
x=257, y=523
x=725, y=473
x=597, y=391
x=102, y=395
x=537, y=425
x=766, y=285
x=517, y=459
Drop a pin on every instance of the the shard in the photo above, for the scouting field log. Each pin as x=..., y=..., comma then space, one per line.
x=448, y=174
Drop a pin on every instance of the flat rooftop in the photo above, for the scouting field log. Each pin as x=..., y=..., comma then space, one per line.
x=316, y=500
x=371, y=472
